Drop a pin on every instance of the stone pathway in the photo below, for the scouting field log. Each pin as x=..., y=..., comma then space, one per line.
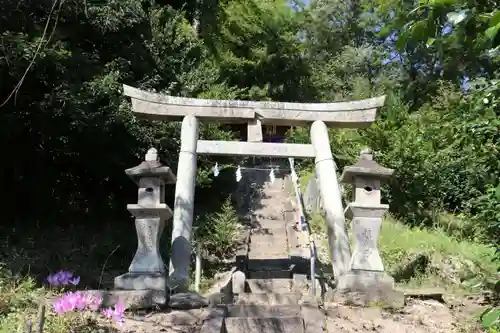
x=272, y=301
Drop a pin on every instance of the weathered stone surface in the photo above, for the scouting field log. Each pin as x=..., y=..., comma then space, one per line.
x=147, y=260
x=267, y=149
x=146, y=272
x=380, y=296
x=180, y=255
x=215, y=322
x=161, y=211
x=365, y=288
x=361, y=280
x=141, y=281
x=151, y=167
x=338, y=238
x=132, y=299
x=242, y=251
x=221, y=292
x=219, y=299
x=193, y=316
x=344, y=114
x=269, y=299
x=238, y=281
x=436, y=294
x=312, y=196
x=365, y=255
x=186, y=301
x=300, y=283
x=309, y=300
x=272, y=274
x=383, y=298
x=366, y=167
x=259, y=286
x=254, y=310
x=314, y=319
x=254, y=132
x=264, y=325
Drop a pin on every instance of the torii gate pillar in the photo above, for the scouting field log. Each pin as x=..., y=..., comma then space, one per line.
x=180, y=257
x=338, y=238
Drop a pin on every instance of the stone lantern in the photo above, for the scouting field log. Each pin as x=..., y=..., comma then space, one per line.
x=366, y=269
x=147, y=270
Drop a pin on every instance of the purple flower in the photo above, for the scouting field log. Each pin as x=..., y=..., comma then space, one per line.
x=69, y=302
x=74, y=280
x=93, y=303
x=78, y=301
x=63, y=278
x=116, y=313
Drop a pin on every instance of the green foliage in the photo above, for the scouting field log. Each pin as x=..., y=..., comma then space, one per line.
x=490, y=319
x=219, y=232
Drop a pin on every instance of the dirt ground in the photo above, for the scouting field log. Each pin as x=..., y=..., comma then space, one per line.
x=418, y=316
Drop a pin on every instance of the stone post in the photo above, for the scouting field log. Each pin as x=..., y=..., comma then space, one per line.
x=366, y=270
x=180, y=257
x=147, y=270
x=338, y=238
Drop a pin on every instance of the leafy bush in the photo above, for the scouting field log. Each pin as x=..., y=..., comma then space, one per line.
x=218, y=232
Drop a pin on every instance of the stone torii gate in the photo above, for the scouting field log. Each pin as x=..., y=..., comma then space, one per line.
x=355, y=114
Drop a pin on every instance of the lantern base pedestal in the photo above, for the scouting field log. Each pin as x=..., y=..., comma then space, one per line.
x=141, y=281
x=365, y=288
x=131, y=299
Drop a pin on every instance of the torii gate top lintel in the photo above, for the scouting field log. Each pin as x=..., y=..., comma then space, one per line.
x=156, y=106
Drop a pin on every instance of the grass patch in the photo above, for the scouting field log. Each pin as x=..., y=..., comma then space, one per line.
x=457, y=265
x=304, y=179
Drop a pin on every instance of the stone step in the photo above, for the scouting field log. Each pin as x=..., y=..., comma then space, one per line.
x=263, y=311
x=269, y=299
x=265, y=286
x=271, y=224
x=276, y=274
x=266, y=213
x=264, y=325
x=265, y=233
x=262, y=262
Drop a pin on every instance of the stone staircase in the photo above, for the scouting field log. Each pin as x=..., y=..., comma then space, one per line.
x=272, y=299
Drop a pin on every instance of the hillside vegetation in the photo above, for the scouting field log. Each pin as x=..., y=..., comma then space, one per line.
x=68, y=134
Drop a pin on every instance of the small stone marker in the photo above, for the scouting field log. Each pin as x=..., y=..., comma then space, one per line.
x=147, y=270
x=366, y=270
x=238, y=282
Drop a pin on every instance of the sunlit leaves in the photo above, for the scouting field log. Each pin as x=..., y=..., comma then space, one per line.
x=457, y=17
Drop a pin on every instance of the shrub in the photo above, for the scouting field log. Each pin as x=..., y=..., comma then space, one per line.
x=218, y=232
